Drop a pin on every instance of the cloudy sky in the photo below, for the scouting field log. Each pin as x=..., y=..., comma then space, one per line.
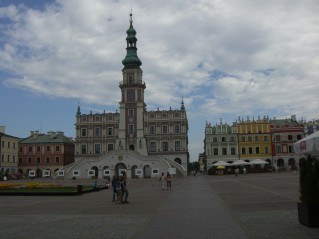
x=227, y=59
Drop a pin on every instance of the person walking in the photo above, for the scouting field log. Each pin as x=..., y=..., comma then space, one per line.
x=168, y=181
x=115, y=183
x=162, y=180
x=124, y=189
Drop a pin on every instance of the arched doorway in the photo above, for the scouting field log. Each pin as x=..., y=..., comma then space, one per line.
x=292, y=163
x=38, y=173
x=280, y=163
x=133, y=171
x=178, y=160
x=96, y=170
x=147, y=171
x=131, y=147
x=118, y=167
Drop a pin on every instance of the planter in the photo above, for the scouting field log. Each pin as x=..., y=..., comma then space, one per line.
x=308, y=214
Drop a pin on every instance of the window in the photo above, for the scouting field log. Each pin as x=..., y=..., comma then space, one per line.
x=8, y=145
x=257, y=150
x=291, y=149
x=224, y=151
x=47, y=160
x=250, y=150
x=20, y=149
x=177, y=145
x=243, y=139
x=38, y=160
x=83, y=133
x=215, y=151
x=110, y=131
x=131, y=128
x=38, y=149
x=165, y=146
x=57, y=148
x=57, y=159
x=97, y=148
x=176, y=115
x=265, y=138
x=29, y=160
x=233, y=151
x=83, y=149
x=164, y=116
x=266, y=150
x=8, y=158
x=277, y=138
x=256, y=138
x=20, y=160
x=231, y=139
x=284, y=148
x=250, y=139
x=131, y=112
x=2, y=144
x=2, y=158
x=97, y=131
x=48, y=148
x=30, y=149
x=278, y=149
x=177, y=129
x=14, y=145
x=164, y=129
x=298, y=136
x=243, y=150
x=223, y=139
x=215, y=140
x=152, y=146
x=152, y=129
x=110, y=147
x=290, y=137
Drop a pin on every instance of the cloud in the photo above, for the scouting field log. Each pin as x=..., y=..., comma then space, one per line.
x=226, y=58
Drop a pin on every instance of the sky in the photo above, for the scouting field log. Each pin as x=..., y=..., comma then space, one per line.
x=226, y=59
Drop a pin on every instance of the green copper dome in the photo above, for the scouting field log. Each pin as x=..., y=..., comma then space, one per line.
x=131, y=59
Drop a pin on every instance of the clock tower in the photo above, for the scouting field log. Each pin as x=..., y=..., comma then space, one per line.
x=132, y=105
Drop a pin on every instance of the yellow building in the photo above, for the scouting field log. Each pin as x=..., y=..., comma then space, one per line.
x=254, y=139
x=8, y=153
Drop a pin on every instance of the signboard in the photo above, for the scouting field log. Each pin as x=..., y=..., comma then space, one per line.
x=121, y=171
x=91, y=173
x=155, y=171
x=76, y=173
x=138, y=172
x=31, y=173
x=106, y=172
x=46, y=173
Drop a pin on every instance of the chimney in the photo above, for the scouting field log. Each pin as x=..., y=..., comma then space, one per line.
x=2, y=129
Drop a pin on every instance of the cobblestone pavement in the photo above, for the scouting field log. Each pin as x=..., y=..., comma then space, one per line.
x=247, y=206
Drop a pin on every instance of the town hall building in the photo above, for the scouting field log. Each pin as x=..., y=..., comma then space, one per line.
x=142, y=143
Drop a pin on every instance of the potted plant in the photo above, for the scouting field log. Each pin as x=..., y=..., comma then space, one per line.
x=308, y=208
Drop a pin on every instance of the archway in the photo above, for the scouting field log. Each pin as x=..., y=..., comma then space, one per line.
x=280, y=163
x=133, y=171
x=118, y=167
x=131, y=147
x=147, y=171
x=178, y=160
x=292, y=163
x=96, y=170
x=8, y=172
x=38, y=173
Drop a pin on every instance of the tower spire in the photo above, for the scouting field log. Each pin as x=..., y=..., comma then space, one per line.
x=182, y=104
x=131, y=59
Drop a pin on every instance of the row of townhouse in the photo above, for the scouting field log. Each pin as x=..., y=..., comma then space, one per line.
x=263, y=138
x=38, y=152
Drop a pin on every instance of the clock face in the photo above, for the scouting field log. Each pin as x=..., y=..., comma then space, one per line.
x=130, y=95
